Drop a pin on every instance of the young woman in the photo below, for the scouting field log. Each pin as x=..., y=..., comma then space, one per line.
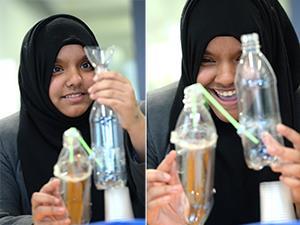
x=210, y=34
x=57, y=87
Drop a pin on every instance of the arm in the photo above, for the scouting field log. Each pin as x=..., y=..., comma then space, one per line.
x=11, y=210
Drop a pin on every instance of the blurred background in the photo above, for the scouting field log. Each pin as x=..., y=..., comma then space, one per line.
x=163, y=59
x=114, y=22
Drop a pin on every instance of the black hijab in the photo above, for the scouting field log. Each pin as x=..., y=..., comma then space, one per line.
x=41, y=124
x=237, y=198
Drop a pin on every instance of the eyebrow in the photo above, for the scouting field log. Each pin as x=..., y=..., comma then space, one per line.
x=59, y=60
x=206, y=52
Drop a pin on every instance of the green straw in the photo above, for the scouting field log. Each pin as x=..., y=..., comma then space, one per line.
x=194, y=110
x=88, y=149
x=219, y=107
x=71, y=155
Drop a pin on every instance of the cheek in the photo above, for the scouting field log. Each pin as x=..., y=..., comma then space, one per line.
x=55, y=88
x=206, y=75
x=88, y=80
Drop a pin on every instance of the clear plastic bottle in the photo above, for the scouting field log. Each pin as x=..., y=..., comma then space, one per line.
x=256, y=87
x=74, y=169
x=106, y=133
x=195, y=140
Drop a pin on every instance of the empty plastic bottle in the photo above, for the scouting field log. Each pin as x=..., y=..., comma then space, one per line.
x=106, y=132
x=195, y=140
x=256, y=87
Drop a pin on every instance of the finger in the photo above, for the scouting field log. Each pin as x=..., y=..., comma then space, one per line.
x=51, y=222
x=111, y=94
x=288, y=170
x=109, y=84
x=167, y=163
x=174, y=174
x=114, y=104
x=157, y=176
x=51, y=187
x=285, y=154
x=39, y=198
x=160, y=191
x=292, y=182
x=290, y=134
x=42, y=212
x=159, y=202
x=111, y=75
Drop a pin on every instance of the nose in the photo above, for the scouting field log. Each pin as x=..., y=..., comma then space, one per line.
x=226, y=73
x=74, y=78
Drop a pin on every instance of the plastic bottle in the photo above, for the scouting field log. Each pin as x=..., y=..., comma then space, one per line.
x=195, y=140
x=256, y=87
x=106, y=133
x=74, y=170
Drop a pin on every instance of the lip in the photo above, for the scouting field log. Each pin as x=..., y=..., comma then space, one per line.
x=229, y=103
x=74, y=97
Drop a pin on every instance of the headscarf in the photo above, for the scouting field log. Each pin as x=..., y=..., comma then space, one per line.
x=203, y=20
x=41, y=124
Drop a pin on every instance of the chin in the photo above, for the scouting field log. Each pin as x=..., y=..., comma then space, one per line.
x=75, y=112
x=234, y=114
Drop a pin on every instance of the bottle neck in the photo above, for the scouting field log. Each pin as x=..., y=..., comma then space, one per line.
x=252, y=47
x=71, y=143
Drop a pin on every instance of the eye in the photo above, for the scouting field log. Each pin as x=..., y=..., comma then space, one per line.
x=57, y=69
x=207, y=61
x=86, y=66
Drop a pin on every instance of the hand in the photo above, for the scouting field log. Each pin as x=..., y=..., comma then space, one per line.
x=289, y=165
x=165, y=196
x=48, y=207
x=116, y=92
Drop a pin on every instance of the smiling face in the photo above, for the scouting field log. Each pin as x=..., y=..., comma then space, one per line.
x=217, y=72
x=72, y=75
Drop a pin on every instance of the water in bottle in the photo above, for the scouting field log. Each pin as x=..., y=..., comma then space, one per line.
x=195, y=140
x=256, y=87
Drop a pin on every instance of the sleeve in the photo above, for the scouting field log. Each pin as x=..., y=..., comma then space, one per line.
x=136, y=178
x=10, y=195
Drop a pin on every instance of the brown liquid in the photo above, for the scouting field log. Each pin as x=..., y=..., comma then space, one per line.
x=196, y=176
x=74, y=200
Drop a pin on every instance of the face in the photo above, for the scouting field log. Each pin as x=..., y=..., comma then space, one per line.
x=217, y=72
x=72, y=75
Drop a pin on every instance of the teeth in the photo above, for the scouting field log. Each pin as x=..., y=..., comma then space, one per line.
x=226, y=93
x=73, y=95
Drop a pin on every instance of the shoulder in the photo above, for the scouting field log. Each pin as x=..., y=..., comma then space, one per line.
x=161, y=99
x=9, y=125
x=159, y=103
x=8, y=134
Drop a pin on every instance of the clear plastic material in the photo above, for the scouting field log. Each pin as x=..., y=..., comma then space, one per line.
x=195, y=140
x=106, y=133
x=256, y=87
x=74, y=170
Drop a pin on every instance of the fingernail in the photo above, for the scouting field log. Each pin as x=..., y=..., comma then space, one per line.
x=166, y=176
x=60, y=209
x=175, y=188
x=56, y=201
